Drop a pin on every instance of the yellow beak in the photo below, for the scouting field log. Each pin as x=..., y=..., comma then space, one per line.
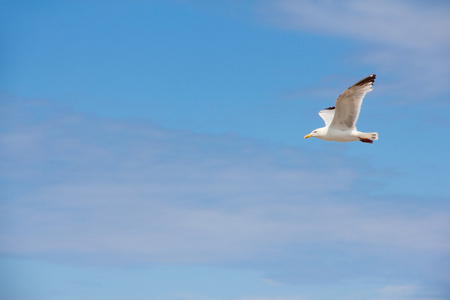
x=308, y=136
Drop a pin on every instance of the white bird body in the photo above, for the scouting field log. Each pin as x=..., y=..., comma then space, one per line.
x=335, y=135
x=340, y=120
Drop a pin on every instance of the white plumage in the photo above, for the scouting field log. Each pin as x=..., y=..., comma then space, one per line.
x=340, y=120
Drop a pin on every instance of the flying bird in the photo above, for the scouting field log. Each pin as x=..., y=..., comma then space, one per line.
x=340, y=119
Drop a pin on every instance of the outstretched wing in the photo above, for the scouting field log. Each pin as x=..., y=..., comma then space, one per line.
x=327, y=115
x=348, y=104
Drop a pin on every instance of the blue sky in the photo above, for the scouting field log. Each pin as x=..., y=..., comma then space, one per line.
x=154, y=150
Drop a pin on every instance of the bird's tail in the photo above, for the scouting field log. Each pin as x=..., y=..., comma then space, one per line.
x=368, y=135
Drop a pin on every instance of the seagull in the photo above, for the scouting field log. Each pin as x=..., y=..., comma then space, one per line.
x=340, y=120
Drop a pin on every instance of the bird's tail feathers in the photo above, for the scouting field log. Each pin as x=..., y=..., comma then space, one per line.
x=369, y=135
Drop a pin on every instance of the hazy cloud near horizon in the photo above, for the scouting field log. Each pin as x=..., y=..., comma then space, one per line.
x=114, y=192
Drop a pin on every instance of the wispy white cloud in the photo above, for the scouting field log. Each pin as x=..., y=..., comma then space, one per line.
x=404, y=292
x=407, y=41
x=276, y=298
x=386, y=22
x=116, y=192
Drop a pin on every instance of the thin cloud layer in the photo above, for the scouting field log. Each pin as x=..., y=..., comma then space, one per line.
x=114, y=192
x=407, y=39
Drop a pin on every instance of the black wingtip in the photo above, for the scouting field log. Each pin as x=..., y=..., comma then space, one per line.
x=329, y=108
x=368, y=79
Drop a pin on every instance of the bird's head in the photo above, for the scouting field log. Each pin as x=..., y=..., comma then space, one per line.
x=316, y=133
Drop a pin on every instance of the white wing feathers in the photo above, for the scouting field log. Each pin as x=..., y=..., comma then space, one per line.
x=348, y=105
x=327, y=115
